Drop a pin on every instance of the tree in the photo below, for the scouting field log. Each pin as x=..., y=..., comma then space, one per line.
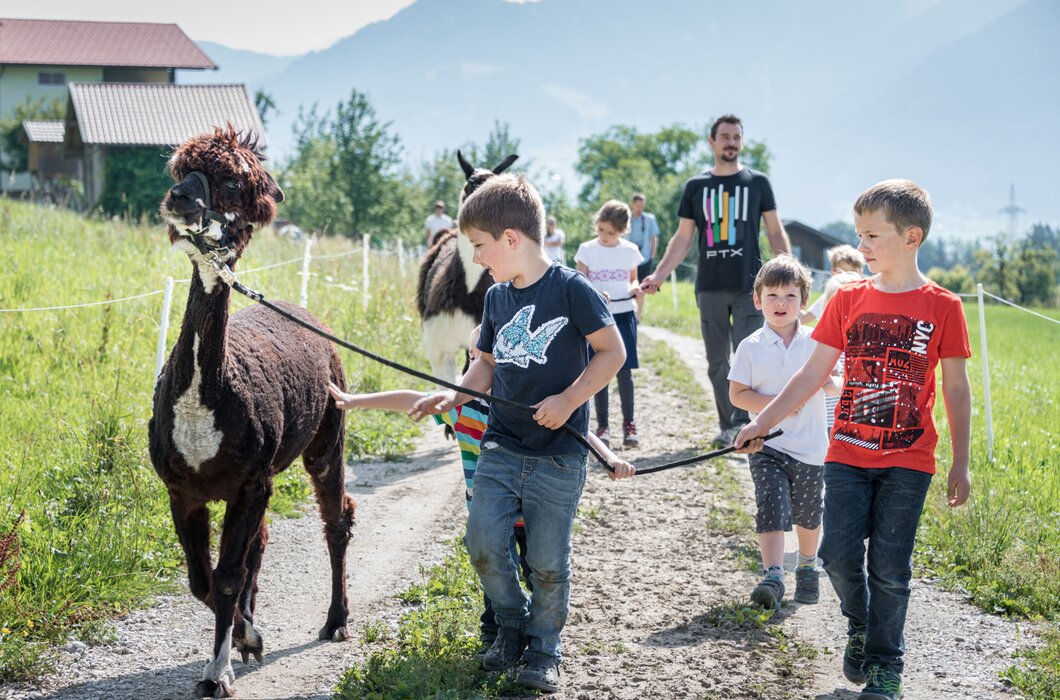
x=843, y=230
x=264, y=103
x=343, y=175
x=956, y=279
x=13, y=152
x=1035, y=274
x=996, y=268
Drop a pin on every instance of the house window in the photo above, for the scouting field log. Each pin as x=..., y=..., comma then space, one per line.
x=51, y=78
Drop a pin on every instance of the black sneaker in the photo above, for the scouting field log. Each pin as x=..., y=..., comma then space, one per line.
x=881, y=683
x=506, y=650
x=854, y=658
x=768, y=593
x=724, y=438
x=807, y=585
x=541, y=672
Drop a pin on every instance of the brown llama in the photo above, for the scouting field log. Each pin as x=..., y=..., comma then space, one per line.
x=239, y=399
x=452, y=289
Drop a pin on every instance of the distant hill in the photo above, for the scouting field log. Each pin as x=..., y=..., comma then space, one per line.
x=962, y=96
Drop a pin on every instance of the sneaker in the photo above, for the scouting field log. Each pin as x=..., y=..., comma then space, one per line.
x=604, y=434
x=881, y=683
x=725, y=437
x=541, y=672
x=768, y=593
x=629, y=434
x=854, y=658
x=807, y=585
x=506, y=650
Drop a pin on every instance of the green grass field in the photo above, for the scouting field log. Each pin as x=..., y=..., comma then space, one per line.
x=75, y=396
x=1003, y=547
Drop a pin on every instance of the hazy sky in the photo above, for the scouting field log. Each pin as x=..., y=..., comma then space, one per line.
x=268, y=26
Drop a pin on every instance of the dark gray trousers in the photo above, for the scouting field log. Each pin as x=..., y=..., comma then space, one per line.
x=725, y=318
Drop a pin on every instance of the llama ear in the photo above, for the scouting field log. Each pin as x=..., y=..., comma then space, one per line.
x=276, y=193
x=504, y=164
x=464, y=165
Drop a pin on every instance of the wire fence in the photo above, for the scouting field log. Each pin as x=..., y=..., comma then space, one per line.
x=404, y=255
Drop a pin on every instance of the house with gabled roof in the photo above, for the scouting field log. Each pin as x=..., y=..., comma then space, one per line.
x=39, y=59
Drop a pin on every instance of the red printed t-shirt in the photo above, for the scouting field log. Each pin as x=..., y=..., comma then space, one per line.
x=892, y=344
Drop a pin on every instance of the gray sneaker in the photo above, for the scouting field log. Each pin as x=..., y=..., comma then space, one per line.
x=506, y=650
x=768, y=593
x=725, y=437
x=854, y=658
x=541, y=672
x=807, y=585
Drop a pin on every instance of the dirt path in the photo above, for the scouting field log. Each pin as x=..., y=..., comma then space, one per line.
x=953, y=649
x=406, y=513
x=661, y=570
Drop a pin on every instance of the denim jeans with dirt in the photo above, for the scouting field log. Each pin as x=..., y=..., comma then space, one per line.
x=544, y=491
x=884, y=507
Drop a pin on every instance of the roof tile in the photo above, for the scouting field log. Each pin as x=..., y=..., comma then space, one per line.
x=76, y=43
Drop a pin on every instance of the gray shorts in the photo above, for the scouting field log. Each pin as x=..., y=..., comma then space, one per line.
x=786, y=491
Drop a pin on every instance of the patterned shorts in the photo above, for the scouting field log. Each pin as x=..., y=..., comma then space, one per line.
x=786, y=491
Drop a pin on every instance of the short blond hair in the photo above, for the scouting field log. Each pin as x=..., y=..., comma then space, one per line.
x=782, y=271
x=505, y=202
x=902, y=202
x=846, y=258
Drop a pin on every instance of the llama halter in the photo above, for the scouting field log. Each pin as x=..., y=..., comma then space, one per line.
x=211, y=250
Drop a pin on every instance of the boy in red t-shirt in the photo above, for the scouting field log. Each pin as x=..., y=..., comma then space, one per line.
x=894, y=328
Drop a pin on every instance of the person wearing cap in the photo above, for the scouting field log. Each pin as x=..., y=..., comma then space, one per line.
x=437, y=222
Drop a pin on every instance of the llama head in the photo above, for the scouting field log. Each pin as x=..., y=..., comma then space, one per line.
x=476, y=176
x=222, y=191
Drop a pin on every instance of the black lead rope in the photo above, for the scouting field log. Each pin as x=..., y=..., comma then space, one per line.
x=228, y=276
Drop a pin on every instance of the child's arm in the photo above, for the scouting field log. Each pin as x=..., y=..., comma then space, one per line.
x=634, y=286
x=479, y=377
x=958, y=396
x=802, y=385
x=554, y=411
x=743, y=396
x=623, y=469
x=401, y=400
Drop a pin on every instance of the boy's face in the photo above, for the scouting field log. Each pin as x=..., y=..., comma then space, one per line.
x=885, y=248
x=780, y=305
x=495, y=254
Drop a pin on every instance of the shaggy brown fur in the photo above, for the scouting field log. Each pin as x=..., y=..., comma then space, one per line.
x=239, y=399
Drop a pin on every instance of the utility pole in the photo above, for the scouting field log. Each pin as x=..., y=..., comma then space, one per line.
x=1013, y=212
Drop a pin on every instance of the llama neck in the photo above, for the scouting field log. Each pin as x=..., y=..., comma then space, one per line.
x=472, y=272
x=205, y=320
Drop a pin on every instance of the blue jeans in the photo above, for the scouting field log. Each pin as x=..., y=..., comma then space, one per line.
x=883, y=506
x=545, y=492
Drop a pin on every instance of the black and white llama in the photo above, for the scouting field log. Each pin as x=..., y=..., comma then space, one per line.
x=452, y=288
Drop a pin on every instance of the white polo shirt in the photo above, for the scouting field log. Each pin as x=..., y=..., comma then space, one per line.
x=764, y=364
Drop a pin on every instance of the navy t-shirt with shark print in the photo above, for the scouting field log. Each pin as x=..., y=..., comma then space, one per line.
x=537, y=338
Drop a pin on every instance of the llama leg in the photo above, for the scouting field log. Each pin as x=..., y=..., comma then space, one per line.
x=323, y=460
x=192, y=522
x=243, y=518
x=246, y=637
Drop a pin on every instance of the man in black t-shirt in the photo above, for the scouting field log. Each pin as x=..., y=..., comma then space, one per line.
x=722, y=210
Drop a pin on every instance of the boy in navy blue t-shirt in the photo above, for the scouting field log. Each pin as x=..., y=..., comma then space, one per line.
x=538, y=323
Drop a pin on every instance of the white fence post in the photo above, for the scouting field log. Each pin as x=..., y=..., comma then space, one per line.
x=366, y=241
x=673, y=287
x=163, y=327
x=304, y=297
x=986, y=376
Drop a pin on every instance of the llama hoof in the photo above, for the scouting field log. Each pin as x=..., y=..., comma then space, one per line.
x=339, y=634
x=214, y=689
x=252, y=643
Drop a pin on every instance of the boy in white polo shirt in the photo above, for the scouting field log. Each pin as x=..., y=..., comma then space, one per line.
x=788, y=473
